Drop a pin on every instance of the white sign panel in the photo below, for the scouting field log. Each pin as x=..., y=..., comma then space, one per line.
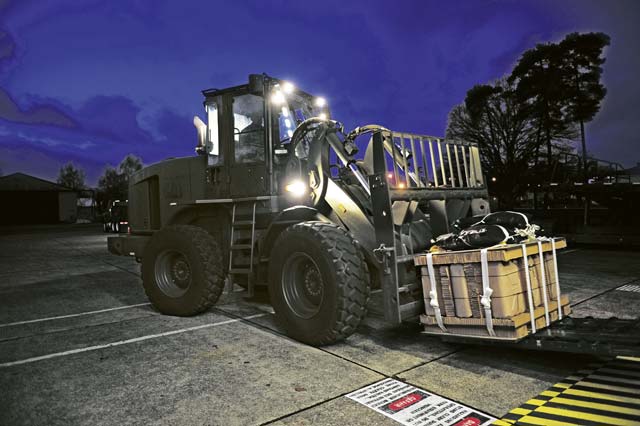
x=409, y=405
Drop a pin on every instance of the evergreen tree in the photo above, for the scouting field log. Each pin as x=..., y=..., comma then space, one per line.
x=581, y=71
x=538, y=82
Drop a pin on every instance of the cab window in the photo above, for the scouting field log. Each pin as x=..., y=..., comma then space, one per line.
x=248, y=128
x=212, y=143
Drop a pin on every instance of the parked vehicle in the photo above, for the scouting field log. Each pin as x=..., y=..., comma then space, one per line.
x=116, y=219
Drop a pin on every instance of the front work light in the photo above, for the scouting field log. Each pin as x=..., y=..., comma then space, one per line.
x=288, y=87
x=277, y=98
x=297, y=188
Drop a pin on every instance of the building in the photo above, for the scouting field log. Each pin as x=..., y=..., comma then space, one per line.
x=31, y=200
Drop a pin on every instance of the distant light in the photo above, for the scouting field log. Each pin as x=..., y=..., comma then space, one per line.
x=401, y=185
x=390, y=175
x=290, y=133
x=322, y=116
x=287, y=87
x=493, y=179
x=287, y=122
x=277, y=98
x=296, y=187
x=320, y=102
x=285, y=111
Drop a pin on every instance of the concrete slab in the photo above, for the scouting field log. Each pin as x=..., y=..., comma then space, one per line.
x=105, y=288
x=75, y=320
x=621, y=304
x=233, y=375
x=337, y=412
x=245, y=372
x=587, y=273
x=494, y=380
x=85, y=335
x=376, y=345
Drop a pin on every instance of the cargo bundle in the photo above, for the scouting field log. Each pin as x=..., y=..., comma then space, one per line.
x=502, y=292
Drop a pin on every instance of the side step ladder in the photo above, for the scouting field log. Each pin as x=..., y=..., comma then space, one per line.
x=236, y=247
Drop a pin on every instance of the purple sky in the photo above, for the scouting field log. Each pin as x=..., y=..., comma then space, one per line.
x=91, y=81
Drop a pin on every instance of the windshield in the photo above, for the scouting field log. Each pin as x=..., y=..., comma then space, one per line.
x=292, y=109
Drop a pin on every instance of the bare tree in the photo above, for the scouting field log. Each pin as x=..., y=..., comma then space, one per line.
x=114, y=182
x=505, y=131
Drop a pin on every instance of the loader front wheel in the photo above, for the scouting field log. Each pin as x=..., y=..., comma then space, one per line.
x=182, y=270
x=318, y=283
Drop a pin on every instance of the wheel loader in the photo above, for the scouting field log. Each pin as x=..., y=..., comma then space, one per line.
x=279, y=194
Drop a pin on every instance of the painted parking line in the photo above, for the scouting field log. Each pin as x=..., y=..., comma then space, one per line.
x=605, y=394
x=124, y=342
x=73, y=315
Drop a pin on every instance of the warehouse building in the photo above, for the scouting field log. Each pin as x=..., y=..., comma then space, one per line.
x=31, y=200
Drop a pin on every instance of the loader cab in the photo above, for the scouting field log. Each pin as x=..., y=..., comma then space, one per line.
x=247, y=134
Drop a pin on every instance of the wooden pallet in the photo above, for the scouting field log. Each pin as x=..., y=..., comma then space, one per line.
x=496, y=254
x=512, y=329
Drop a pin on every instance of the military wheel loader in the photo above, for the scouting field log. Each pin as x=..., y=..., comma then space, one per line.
x=280, y=195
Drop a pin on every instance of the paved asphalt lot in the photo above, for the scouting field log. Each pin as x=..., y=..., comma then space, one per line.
x=79, y=344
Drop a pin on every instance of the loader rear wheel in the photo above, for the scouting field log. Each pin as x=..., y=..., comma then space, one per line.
x=318, y=283
x=182, y=270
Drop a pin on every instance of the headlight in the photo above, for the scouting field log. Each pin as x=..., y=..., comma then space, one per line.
x=277, y=98
x=297, y=188
x=288, y=87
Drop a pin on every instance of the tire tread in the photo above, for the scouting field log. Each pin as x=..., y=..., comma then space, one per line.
x=352, y=281
x=210, y=256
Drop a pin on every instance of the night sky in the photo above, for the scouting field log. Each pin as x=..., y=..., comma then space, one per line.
x=91, y=81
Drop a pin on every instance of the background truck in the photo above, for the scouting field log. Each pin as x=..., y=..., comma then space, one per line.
x=280, y=195
x=116, y=219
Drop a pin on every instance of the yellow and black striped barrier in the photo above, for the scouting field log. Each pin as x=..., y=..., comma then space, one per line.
x=606, y=394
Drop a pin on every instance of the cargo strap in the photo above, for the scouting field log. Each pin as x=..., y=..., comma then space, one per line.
x=433, y=294
x=543, y=281
x=525, y=259
x=555, y=270
x=485, y=301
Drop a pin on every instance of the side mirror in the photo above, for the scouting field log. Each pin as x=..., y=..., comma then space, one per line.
x=202, y=134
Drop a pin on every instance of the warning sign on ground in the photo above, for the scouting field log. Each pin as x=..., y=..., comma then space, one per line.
x=409, y=405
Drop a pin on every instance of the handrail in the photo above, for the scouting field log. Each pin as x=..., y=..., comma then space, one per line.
x=427, y=162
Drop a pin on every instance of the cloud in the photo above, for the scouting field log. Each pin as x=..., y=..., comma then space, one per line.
x=42, y=114
x=7, y=47
x=105, y=129
x=113, y=118
x=176, y=129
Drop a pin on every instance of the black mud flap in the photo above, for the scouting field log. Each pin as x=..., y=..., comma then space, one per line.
x=128, y=245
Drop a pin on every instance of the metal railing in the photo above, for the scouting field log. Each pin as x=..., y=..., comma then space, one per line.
x=567, y=167
x=419, y=161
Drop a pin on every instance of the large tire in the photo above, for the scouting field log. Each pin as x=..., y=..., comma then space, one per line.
x=318, y=283
x=182, y=270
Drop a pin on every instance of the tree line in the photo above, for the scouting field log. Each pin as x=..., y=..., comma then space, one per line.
x=112, y=185
x=553, y=90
